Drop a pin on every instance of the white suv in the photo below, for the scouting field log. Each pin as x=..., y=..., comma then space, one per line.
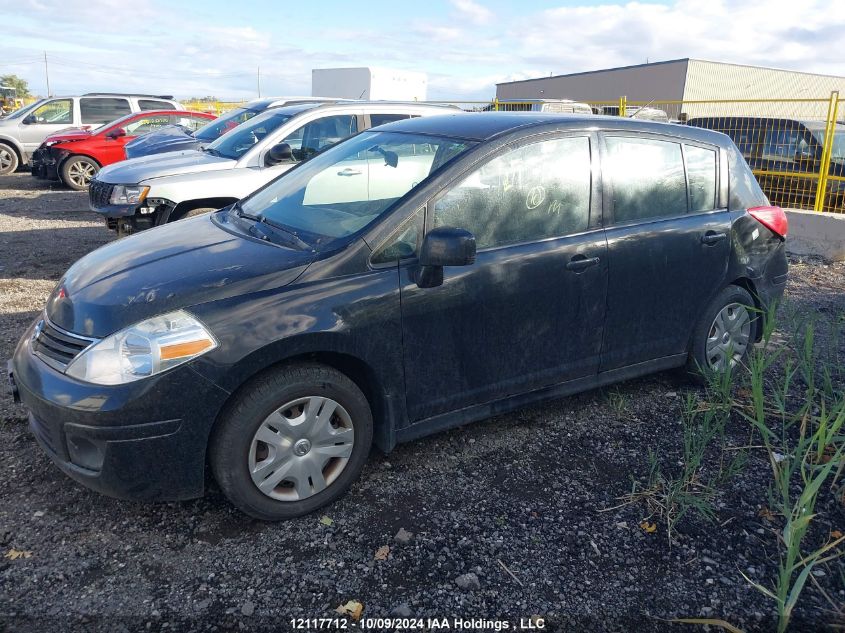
x=22, y=132
x=151, y=190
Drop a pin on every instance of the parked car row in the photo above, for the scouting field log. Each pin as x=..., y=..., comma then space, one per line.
x=383, y=281
x=23, y=131
x=149, y=191
x=76, y=155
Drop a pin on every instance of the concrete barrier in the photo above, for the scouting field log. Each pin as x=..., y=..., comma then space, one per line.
x=814, y=233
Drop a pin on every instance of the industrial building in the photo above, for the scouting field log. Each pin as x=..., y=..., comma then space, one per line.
x=689, y=80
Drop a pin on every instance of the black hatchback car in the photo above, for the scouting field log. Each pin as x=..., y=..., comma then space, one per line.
x=417, y=276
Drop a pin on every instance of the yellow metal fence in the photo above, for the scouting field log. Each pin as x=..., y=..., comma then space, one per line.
x=795, y=147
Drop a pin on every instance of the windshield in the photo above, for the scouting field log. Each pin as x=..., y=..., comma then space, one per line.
x=229, y=121
x=837, y=150
x=19, y=113
x=343, y=189
x=237, y=142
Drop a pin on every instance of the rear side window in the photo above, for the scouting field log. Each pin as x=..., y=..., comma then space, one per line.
x=534, y=192
x=99, y=110
x=701, y=173
x=743, y=190
x=153, y=104
x=381, y=119
x=647, y=178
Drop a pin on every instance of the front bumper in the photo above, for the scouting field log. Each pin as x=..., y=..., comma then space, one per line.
x=142, y=440
x=44, y=164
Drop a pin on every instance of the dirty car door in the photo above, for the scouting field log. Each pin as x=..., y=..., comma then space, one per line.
x=529, y=311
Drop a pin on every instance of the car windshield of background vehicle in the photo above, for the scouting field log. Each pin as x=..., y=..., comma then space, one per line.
x=23, y=111
x=229, y=121
x=239, y=141
x=342, y=190
x=837, y=150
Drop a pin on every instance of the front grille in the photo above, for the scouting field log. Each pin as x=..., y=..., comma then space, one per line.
x=57, y=347
x=99, y=194
x=39, y=155
x=49, y=435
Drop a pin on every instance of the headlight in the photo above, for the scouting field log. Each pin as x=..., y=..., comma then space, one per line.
x=142, y=350
x=128, y=194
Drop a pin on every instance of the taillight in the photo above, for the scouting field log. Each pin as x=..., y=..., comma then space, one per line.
x=773, y=218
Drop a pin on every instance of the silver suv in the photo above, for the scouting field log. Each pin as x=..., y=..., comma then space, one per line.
x=22, y=132
x=152, y=190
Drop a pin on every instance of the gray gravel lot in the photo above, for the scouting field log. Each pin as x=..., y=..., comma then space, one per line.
x=523, y=491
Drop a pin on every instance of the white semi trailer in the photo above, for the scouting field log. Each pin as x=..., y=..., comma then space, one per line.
x=369, y=83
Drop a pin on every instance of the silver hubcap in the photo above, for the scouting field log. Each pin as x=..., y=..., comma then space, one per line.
x=6, y=159
x=81, y=173
x=301, y=448
x=728, y=337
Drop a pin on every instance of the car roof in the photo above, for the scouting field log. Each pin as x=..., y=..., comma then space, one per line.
x=482, y=126
x=408, y=106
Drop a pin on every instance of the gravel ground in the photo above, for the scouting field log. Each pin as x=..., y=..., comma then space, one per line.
x=506, y=516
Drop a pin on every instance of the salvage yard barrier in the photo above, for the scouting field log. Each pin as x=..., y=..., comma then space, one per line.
x=795, y=147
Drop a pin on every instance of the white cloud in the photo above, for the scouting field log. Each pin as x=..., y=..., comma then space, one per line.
x=465, y=53
x=472, y=11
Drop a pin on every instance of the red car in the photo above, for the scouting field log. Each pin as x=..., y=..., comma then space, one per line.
x=75, y=155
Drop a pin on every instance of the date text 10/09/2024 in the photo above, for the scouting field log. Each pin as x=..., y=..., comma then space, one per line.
x=423, y=624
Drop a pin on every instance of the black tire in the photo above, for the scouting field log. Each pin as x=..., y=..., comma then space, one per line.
x=231, y=440
x=77, y=171
x=729, y=296
x=9, y=161
x=192, y=213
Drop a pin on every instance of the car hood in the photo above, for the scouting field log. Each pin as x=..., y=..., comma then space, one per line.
x=70, y=134
x=168, y=139
x=174, y=266
x=137, y=170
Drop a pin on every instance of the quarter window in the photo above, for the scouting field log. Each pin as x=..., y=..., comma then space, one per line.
x=150, y=104
x=701, y=173
x=647, y=178
x=96, y=111
x=531, y=193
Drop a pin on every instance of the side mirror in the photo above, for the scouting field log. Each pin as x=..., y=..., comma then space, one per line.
x=281, y=153
x=29, y=119
x=443, y=246
x=117, y=133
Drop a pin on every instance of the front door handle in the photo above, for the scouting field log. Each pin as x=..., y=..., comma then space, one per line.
x=349, y=172
x=712, y=237
x=579, y=263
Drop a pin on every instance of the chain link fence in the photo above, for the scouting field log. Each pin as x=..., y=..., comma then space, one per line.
x=795, y=147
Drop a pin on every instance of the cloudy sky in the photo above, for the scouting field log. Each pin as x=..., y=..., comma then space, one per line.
x=214, y=47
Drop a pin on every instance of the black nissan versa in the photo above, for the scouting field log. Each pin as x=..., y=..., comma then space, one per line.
x=418, y=276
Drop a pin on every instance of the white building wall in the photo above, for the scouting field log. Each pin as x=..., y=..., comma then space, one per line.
x=709, y=81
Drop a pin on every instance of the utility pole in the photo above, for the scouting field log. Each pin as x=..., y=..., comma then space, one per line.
x=47, y=75
x=259, y=82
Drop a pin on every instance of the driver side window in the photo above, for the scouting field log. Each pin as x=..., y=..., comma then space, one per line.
x=59, y=111
x=312, y=138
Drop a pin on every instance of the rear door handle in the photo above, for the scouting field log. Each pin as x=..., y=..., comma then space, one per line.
x=711, y=237
x=579, y=263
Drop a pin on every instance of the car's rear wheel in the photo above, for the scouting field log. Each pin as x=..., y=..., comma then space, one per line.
x=725, y=333
x=8, y=160
x=77, y=172
x=292, y=441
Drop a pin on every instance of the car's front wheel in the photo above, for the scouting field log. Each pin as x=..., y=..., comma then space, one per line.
x=725, y=333
x=293, y=440
x=77, y=172
x=8, y=160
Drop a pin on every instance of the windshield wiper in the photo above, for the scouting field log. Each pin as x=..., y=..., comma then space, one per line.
x=300, y=243
x=243, y=214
